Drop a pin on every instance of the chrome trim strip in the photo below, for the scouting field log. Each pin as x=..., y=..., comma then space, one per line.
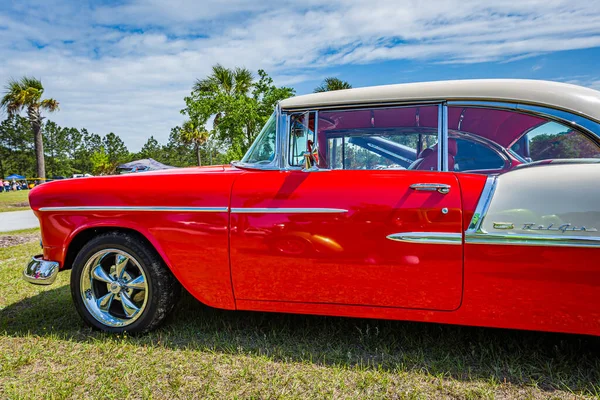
x=136, y=208
x=440, y=137
x=427, y=237
x=277, y=210
x=482, y=206
x=445, y=154
x=533, y=240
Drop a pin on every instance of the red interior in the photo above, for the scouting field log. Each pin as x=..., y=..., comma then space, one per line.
x=502, y=127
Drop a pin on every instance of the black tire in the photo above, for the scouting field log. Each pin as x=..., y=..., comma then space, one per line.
x=163, y=289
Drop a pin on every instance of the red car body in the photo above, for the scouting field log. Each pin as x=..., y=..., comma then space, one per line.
x=358, y=243
x=228, y=260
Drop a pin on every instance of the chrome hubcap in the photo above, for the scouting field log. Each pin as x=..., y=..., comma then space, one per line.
x=114, y=288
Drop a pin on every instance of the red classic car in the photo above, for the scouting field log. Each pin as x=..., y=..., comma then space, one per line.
x=464, y=202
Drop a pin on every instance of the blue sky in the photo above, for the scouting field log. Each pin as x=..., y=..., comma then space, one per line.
x=125, y=66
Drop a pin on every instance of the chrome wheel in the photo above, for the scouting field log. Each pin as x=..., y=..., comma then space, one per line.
x=114, y=288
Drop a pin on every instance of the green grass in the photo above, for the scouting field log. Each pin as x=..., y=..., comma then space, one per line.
x=14, y=201
x=46, y=352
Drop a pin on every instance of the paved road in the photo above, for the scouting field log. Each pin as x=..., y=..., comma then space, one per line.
x=17, y=220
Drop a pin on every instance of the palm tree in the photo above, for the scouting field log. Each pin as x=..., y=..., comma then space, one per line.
x=225, y=80
x=233, y=83
x=331, y=83
x=27, y=94
x=194, y=133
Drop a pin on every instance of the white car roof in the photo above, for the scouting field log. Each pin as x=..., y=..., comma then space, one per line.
x=563, y=96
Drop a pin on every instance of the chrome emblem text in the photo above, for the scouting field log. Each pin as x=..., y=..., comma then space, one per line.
x=561, y=228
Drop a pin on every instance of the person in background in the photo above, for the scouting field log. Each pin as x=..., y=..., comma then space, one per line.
x=6, y=186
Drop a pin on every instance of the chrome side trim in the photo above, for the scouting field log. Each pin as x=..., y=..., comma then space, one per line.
x=427, y=237
x=482, y=206
x=135, y=208
x=440, y=137
x=41, y=272
x=533, y=240
x=242, y=210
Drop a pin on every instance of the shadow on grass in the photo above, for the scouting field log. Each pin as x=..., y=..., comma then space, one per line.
x=551, y=361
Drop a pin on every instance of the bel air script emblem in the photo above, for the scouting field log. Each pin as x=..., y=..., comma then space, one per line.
x=562, y=228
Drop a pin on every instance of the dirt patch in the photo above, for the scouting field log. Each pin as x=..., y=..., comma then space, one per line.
x=19, y=205
x=14, y=240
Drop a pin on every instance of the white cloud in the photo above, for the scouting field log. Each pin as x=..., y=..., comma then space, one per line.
x=125, y=68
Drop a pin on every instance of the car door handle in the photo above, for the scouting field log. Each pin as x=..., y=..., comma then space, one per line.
x=431, y=187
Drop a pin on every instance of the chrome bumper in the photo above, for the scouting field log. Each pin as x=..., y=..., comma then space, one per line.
x=40, y=271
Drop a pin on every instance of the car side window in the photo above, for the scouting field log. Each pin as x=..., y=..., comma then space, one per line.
x=492, y=140
x=553, y=141
x=263, y=150
x=378, y=138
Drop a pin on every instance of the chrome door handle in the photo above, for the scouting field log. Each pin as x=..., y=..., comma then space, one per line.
x=431, y=187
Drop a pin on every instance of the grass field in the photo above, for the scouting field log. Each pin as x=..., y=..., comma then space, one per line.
x=14, y=201
x=46, y=352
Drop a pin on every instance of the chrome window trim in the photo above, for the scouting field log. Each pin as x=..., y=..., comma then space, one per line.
x=585, y=125
x=274, y=165
x=316, y=110
x=366, y=105
x=452, y=238
x=136, y=208
x=287, y=210
x=440, y=138
x=444, y=143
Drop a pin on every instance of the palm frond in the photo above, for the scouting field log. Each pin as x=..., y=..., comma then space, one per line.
x=329, y=84
x=50, y=105
x=224, y=77
x=31, y=82
x=204, y=86
x=243, y=80
x=12, y=100
x=26, y=93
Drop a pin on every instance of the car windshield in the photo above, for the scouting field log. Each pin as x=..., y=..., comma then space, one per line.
x=262, y=150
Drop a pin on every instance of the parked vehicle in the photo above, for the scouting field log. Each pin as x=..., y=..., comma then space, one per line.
x=462, y=202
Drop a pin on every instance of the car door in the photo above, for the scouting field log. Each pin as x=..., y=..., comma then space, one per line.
x=387, y=237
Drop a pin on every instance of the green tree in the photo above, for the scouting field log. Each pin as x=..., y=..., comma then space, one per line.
x=568, y=144
x=239, y=105
x=27, y=94
x=84, y=145
x=57, y=145
x=115, y=149
x=195, y=134
x=16, y=147
x=177, y=152
x=101, y=164
x=329, y=84
x=151, y=149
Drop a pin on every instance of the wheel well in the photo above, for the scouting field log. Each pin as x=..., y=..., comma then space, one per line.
x=88, y=234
